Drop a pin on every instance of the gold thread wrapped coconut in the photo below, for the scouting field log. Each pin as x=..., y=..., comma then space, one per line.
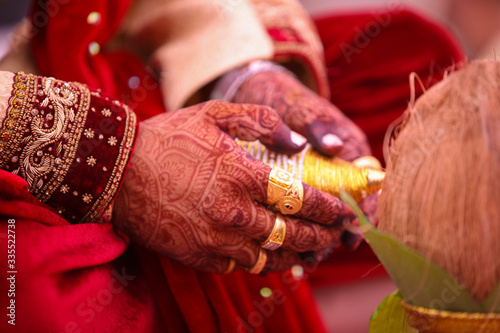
x=329, y=175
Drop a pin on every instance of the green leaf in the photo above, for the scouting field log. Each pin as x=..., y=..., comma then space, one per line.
x=390, y=316
x=420, y=281
x=492, y=302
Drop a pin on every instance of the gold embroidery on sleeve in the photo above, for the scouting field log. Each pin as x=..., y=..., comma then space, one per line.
x=63, y=111
x=41, y=134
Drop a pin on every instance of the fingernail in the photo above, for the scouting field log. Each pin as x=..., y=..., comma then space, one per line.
x=297, y=139
x=331, y=140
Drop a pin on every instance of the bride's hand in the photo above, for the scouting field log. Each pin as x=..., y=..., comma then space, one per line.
x=192, y=194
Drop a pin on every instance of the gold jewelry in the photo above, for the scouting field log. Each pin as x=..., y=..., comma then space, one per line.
x=230, y=266
x=260, y=264
x=321, y=172
x=285, y=192
x=277, y=235
x=291, y=203
x=279, y=183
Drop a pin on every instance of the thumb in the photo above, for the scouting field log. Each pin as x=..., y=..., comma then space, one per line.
x=324, y=136
x=255, y=122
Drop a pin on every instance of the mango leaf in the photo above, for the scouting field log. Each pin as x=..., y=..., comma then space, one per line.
x=390, y=316
x=420, y=281
x=492, y=302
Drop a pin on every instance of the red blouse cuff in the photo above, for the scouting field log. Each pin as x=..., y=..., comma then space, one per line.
x=70, y=144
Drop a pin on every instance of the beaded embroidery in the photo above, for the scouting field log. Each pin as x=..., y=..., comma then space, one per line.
x=43, y=141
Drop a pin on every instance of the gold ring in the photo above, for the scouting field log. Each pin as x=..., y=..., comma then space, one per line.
x=277, y=235
x=284, y=192
x=291, y=203
x=279, y=183
x=260, y=264
x=230, y=267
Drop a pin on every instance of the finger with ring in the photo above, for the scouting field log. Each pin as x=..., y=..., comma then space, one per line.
x=260, y=264
x=230, y=267
x=284, y=192
x=277, y=235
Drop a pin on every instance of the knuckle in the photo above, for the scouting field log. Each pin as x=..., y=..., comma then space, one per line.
x=323, y=240
x=320, y=207
x=329, y=238
x=209, y=243
x=305, y=238
x=227, y=217
x=291, y=236
x=309, y=202
x=225, y=208
x=235, y=218
x=265, y=223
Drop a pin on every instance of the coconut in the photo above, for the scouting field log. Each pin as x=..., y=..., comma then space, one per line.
x=441, y=193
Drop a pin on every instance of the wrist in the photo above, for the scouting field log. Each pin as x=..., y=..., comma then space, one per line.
x=228, y=85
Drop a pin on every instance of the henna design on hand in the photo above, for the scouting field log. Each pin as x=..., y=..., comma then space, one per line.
x=192, y=194
x=305, y=112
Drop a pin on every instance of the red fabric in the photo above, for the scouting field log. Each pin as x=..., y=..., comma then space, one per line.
x=61, y=49
x=369, y=58
x=68, y=278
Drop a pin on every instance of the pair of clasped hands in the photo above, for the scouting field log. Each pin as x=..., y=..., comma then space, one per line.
x=192, y=194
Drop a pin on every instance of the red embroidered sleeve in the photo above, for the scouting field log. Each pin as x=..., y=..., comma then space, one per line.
x=296, y=43
x=70, y=144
